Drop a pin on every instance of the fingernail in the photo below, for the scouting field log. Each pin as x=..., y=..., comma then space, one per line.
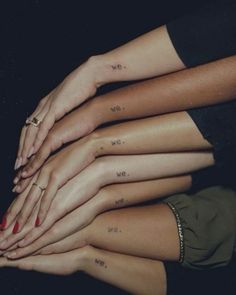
x=19, y=163
x=31, y=152
x=18, y=188
x=10, y=255
x=14, y=189
x=16, y=164
x=21, y=243
x=16, y=180
x=16, y=227
x=37, y=222
x=4, y=221
x=24, y=173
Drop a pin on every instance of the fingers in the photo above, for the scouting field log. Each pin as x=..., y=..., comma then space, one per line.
x=29, y=132
x=21, y=144
x=68, y=244
x=22, y=185
x=13, y=211
x=51, y=143
x=47, y=199
x=59, y=264
x=27, y=150
x=29, y=203
x=44, y=128
x=9, y=239
x=43, y=240
x=34, y=263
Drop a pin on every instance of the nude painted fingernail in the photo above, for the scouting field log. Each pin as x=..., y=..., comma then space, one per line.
x=21, y=243
x=16, y=164
x=31, y=152
x=19, y=163
x=10, y=255
x=16, y=227
x=24, y=173
x=16, y=180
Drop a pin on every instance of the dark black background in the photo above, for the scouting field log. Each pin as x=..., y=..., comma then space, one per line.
x=41, y=42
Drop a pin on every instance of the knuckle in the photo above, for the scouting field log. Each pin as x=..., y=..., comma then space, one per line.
x=55, y=176
x=38, y=158
x=53, y=231
x=12, y=214
x=42, y=102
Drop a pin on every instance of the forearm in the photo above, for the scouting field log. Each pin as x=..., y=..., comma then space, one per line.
x=204, y=85
x=119, y=169
x=149, y=55
x=133, y=274
x=132, y=230
x=167, y=133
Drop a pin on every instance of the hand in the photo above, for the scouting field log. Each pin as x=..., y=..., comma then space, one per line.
x=75, y=89
x=57, y=264
x=73, y=194
x=75, y=125
x=55, y=173
x=7, y=239
x=53, y=231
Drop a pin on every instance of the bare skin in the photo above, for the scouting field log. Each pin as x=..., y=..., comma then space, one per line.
x=136, y=275
x=147, y=56
x=204, y=85
x=125, y=231
x=168, y=133
x=109, y=197
x=106, y=170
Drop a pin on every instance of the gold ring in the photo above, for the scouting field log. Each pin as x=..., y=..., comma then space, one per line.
x=35, y=122
x=41, y=188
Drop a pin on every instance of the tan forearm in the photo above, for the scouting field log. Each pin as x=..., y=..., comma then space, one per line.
x=204, y=85
x=167, y=133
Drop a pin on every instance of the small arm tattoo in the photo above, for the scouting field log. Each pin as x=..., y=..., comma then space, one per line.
x=117, y=142
x=122, y=174
x=100, y=262
x=118, y=67
x=113, y=230
x=119, y=201
x=117, y=108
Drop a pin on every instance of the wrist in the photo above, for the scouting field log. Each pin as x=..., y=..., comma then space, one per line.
x=89, y=255
x=83, y=258
x=99, y=69
x=97, y=143
x=103, y=200
x=101, y=173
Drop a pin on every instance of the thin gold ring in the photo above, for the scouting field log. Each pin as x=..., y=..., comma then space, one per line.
x=41, y=188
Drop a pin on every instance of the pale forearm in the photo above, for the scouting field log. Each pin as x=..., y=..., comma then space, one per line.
x=119, y=169
x=149, y=55
x=133, y=274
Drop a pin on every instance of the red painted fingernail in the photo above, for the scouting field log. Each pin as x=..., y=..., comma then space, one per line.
x=16, y=227
x=4, y=221
x=37, y=222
